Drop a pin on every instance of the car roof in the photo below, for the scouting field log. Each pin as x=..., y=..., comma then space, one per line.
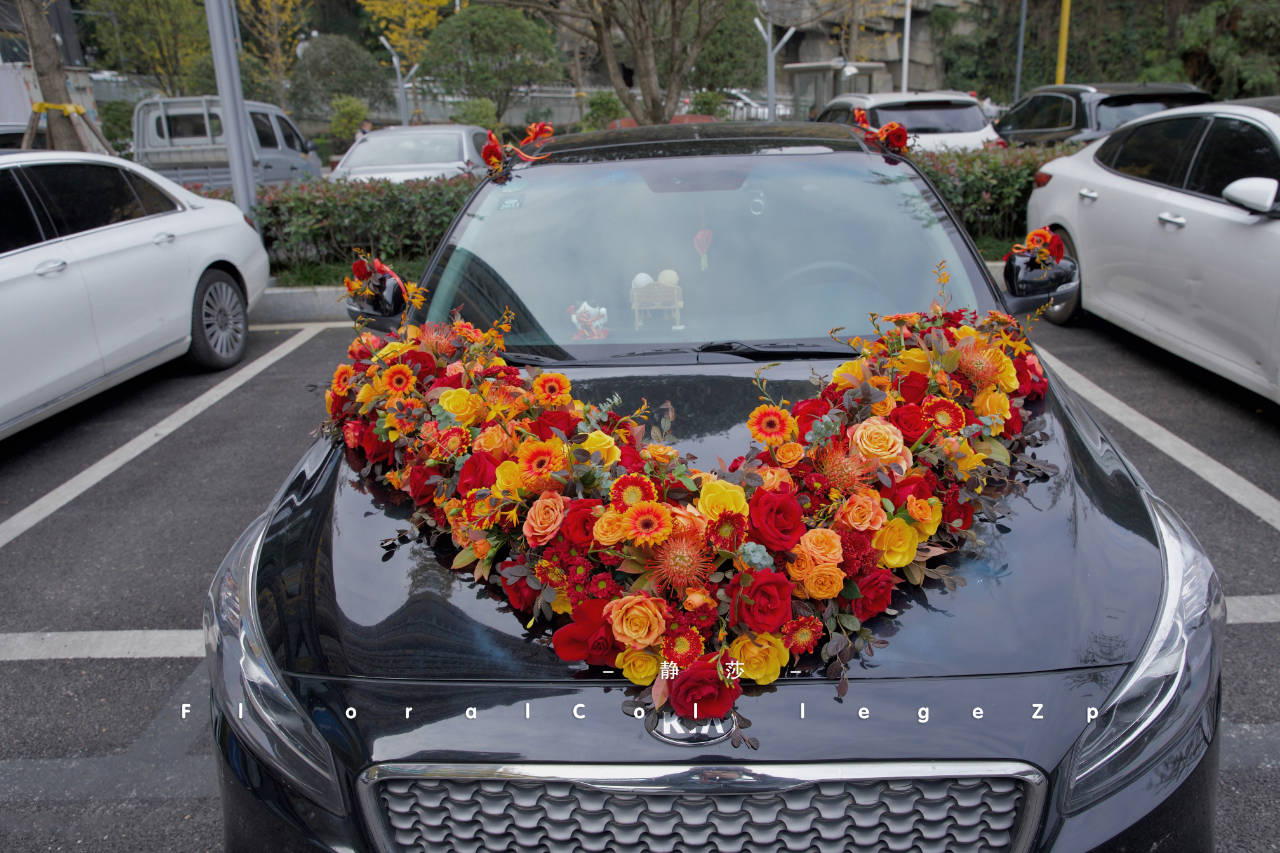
x=426, y=128
x=1269, y=117
x=43, y=155
x=1121, y=88
x=679, y=140
x=876, y=99
x=1270, y=104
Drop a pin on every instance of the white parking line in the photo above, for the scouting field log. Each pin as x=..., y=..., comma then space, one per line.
x=1247, y=609
x=289, y=327
x=1213, y=472
x=65, y=645
x=31, y=515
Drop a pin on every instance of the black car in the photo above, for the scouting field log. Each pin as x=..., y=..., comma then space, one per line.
x=367, y=697
x=1079, y=112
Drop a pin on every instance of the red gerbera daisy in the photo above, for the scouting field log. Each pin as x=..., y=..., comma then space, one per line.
x=453, y=442
x=648, y=523
x=681, y=562
x=802, y=635
x=946, y=415
x=551, y=390
x=771, y=425
x=399, y=378
x=727, y=531
x=630, y=489
x=682, y=646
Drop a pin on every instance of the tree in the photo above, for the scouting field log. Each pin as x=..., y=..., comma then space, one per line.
x=407, y=24
x=158, y=38
x=489, y=51
x=663, y=40
x=272, y=29
x=1229, y=47
x=47, y=63
x=255, y=80
x=733, y=56
x=336, y=65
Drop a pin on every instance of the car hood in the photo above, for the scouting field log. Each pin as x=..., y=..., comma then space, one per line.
x=1069, y=578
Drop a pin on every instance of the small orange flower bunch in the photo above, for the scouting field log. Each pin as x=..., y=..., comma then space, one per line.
x=499, y=157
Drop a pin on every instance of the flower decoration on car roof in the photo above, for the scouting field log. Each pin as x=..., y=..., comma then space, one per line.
x=499, y=157
x=893, y=136
x=696, y=581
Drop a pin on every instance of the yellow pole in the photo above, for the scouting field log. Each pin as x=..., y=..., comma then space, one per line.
x=1061, y=76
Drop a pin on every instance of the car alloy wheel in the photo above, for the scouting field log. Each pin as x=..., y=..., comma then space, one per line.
x=219, y=328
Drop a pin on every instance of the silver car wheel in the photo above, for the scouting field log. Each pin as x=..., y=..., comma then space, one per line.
x=222, y=316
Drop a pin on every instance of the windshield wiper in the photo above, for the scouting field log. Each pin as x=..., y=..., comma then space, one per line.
x=531, y=358
x=780, y=350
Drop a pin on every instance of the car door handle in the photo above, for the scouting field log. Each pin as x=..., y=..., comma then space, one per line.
x=51, y=267
x=1088, y=193
x=1169, y=219
x=162, y=238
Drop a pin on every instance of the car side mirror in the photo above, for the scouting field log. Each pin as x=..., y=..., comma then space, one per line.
x=380, y=304
x=1031, y=284
x=311, y=146
x=1257, y=195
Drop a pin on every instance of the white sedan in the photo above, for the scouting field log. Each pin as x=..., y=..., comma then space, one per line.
x=1173, y=220
x=107, y=270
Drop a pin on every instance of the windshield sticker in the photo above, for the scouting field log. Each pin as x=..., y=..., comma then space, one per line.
x=589, y=322
x=511, y=202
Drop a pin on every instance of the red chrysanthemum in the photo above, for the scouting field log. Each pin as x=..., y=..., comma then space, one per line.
x=551, y=390
x=944, y=414
x=771, y=425
x=727, y=532
x=680, y=562
x=648, y=523
x=682, y=646
x=802, y=635
x=630, y=489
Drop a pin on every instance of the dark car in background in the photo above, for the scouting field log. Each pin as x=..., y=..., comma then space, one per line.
x=367, y=697
x=1079, y=112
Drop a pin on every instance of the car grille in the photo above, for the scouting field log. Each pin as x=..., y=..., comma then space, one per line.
x=532, y=814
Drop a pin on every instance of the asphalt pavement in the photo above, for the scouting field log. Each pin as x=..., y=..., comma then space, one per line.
x=114, y=515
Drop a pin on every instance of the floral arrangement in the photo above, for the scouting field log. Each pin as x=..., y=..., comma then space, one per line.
x=499, y=157
x=893, y=136
x=1042, y=247
x=695, y=580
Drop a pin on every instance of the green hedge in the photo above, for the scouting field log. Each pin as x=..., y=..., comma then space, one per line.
x=989, y=189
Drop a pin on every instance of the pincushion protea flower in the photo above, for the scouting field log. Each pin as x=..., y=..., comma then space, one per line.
x=681, y=562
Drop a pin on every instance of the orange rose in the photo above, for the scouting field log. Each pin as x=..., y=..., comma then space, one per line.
x=861, y=511
x=822, y=546
x=494, y=439
x=886, y=405
x=695, y=598
x=660, y=453
x=775, y=478
x=991, y=402
x=545, y=517
x=824, y=582
x=878, y=439
x=638, y=621
x=609, y=529
x=789, y=454
x=799, y=568
x=926, y=515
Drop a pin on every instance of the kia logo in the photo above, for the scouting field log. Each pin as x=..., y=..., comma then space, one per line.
x=672, y=729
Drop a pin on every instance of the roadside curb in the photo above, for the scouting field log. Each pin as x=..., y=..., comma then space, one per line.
x=300, y=305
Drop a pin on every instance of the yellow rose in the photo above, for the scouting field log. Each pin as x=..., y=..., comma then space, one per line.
x=789, y=454
x=897, y=540
x=719, y=497
x=862, y=511
x=598, y=442
x=508, y=483
x=878, y=439
x=638, y=667
x=825, y=581
x=762, y=658
x=913, y=360
x=465, y=407
x=609, y=529
x=1006, y=374
x=638, y=621
x=988, y=402
x=849, y=374
x=926, y=515
x=822, y=545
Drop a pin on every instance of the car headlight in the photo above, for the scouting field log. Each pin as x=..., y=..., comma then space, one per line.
x=248, y=687
x=1167, y=689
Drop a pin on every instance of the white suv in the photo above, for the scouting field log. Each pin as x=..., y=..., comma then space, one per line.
x=937, y=120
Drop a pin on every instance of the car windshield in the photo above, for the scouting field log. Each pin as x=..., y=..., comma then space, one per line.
x=405, y=149
x=638, y=256
x=1114, y=112
x=932, y=116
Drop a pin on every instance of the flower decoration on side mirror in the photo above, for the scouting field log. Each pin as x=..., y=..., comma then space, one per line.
x=499, y=157
x=375, y=288
x=1042, y=248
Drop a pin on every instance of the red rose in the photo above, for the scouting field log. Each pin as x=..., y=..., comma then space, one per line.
x=895, y=135
x=353, y=433
x=808, y=411
x=588, y=637
x=631, y=459
x=876, y=587
x=700, y=684
x=917, y=486
x=519, y=593
x=760, y=600
x=447, y=381
x=910, y=420
x=578, y=522
x=420, y=489
x=478, y=472
x=566, y=422
x=1013, y=423
x=360, y=269
x=956, y=513
x=913, y=387
x=777, y=521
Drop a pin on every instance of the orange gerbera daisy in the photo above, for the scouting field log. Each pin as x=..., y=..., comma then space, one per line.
x=682, y=646
x=681, y=562
x=342, y=377
x=648, y=523
x=551, y=390
x=946, y=415
x=630, y=489
x=398, y=379
x=801, y=635
x=539, y=461
x=771, y=425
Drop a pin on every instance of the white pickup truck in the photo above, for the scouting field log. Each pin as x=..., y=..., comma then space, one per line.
x=183, y=139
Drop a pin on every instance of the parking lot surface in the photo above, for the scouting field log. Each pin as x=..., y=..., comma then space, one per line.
x=114, y=515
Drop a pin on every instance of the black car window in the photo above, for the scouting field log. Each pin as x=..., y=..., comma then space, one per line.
x=187, y=126
x=289, y=133
x=1233, y=149
x=1040, y=112
x=932, y=116
x=1158, y=151
x=154, y=200
x=838, y=115
x=20, y=228
x=266, y=133
x=479, y=140
x=1106, y=153
x=82, y=196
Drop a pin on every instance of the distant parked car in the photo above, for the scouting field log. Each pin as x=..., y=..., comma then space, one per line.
x=11, y=133
x=183, y=139
x=1079, y=112
x=937, y=120
x=414, y=153
x=108, y=269
x=744, y=106
x=1173, y=220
